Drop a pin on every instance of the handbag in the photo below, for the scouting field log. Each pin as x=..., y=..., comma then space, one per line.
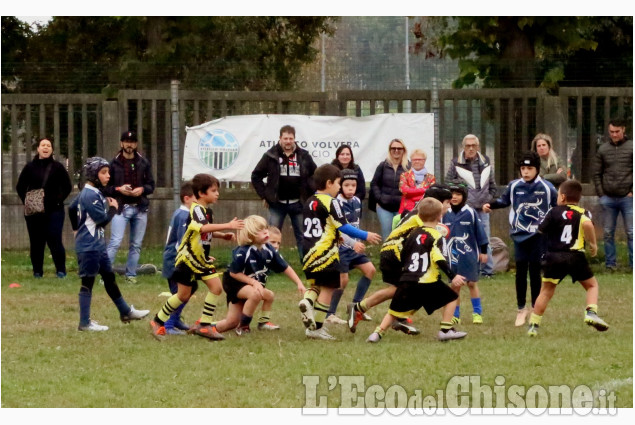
x=34, y=199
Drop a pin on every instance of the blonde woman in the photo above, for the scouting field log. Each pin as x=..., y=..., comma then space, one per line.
x=414, y=182
x=551, y=167
x=385, y=184
x=246, y=279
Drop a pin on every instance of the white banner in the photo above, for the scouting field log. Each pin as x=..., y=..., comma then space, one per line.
x=229, y=148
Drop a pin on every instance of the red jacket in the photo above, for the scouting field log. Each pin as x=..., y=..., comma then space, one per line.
x=411, y=193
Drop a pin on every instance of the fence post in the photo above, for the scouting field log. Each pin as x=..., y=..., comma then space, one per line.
x=555, y=124
x=176, y=166
x=434, y=107
x=110, y=126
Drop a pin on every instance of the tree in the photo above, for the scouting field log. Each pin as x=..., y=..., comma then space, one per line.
x=532, y=51
x=15, y=37
x=86, y=54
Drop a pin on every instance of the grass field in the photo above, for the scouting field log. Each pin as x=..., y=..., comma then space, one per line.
x=46, y=362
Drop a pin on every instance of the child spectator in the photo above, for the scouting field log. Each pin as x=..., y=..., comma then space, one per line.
x=246, y=279
x=193, y=263
x=323, y=220
x=567, y=227
x=89, y=213
x=530, y=198
x=351, y=250
x=420, y=283
x=466, y=248
x=275, y=237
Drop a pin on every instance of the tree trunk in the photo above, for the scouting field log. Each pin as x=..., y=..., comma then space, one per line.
x=518, y=55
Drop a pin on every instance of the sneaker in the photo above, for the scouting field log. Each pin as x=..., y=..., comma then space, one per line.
x=366, y=317
x=206, y=331
x=306, y=308
x=134, y=315
x=455, y=320
x=405, y=328
x=158, y=331
x=37, y=275
x=533, y=330
x=147, y=269
x=131, y=280
x=333, y=319
x=93, y=327
x=374, y=337
x=611, y=268
x=242, y=330
x=101, y=281
x=180, y=324
x=61, y=275
x=409, y=320
x=451, y=334
x=319, y=334
x=521, y=316
x=174, y=331
x=353, y=317
x=477, y=319
x=267, y=327
x=592, y=319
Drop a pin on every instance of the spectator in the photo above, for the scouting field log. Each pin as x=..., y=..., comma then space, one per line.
x=613, y=180
x=552, y=168
x=385, y=185
x=475, y=170
x=344, y=159
x=288, y=170
x=130, y=184
x=44, y=172
x=414, y=182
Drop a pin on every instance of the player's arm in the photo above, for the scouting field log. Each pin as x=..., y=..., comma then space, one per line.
x=229, y=236
x=589, y=235
x=235, y=224
x=242, y=277
x=502, y=202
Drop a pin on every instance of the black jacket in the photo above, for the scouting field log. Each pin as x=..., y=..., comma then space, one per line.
x=58, y=185
x=269, y=167
x=613, y=169
x=144, y=176
x=385, y=186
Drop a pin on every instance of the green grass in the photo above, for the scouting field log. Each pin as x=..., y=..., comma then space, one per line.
x=46, y=362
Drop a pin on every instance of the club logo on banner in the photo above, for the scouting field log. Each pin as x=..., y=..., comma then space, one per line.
x=218, y=149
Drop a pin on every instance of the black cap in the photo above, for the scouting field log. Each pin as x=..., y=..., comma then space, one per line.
x=348, y=174
x=438, y=191
x=129, y=135
x=530, y=159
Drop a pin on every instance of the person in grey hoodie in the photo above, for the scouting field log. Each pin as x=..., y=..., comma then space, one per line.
x=613, y=181
x=475, y=170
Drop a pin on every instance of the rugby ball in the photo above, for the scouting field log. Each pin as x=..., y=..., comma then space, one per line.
x=443, y=229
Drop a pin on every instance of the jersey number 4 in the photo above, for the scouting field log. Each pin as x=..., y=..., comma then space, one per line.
x=313, y=227
x=417, y=259
x=566, y=234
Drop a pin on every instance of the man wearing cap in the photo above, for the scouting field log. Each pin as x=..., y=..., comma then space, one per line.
x=475, y=170
x=130, y=184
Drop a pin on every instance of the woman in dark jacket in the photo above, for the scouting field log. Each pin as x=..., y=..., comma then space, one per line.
x=46, y=228
x=385, y=184
x=344, y=159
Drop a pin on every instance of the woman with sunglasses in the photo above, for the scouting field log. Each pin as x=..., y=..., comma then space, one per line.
x=385, y=184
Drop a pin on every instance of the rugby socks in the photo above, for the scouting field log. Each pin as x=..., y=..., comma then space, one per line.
x=312, y=294
x=380, y=331
x=362, y=287
x=175, y=316
x=209, y=308
x=245, y=320
x=361, y=306
x=592, y=307
x=335, y=300
x=168, y=308
x=476, y=306
x=264, y=316
x=113, y=292
x=534, y=319
x=446, y=326
x=85, y=297
x=457, y=311
x=319, y=314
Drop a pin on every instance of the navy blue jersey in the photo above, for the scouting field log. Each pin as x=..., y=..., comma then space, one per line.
x=178, y=225
x=93, y=214
x=529, y=203
x=353, y=212
x=467, y=234
x=257, y=263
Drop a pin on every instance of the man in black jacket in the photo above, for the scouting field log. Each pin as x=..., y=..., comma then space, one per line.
x=289, y=170
x=130, y=184
x=613, y=181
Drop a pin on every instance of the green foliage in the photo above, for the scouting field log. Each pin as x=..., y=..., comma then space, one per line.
x=86, y=54
x=46, y=362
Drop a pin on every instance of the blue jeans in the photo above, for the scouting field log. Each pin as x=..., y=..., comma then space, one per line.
x=138, y=221
x=277, y=213
x=385, y=221
x=487, y=268
x=611, y=207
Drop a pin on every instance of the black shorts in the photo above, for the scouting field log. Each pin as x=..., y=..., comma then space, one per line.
x=231, y=287
x=185, y=276
x=411, y=296
x=529, y=250
x=328, y=279
x=349, y=259
x=557, y=265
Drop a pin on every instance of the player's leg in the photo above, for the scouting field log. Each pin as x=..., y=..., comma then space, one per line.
x=232, y=320
x=475, y=298
x=546, y=293
x=591, y=317
x=378, y=333
x=331, y=317
x=264, y=322
x=368, y=272
x=215, y=289
x=252, y=298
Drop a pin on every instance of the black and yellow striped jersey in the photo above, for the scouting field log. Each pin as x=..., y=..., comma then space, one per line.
x=192, y=251
x=421, y=252
x=562, y=226
x=323, y=216
x=390, y=253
